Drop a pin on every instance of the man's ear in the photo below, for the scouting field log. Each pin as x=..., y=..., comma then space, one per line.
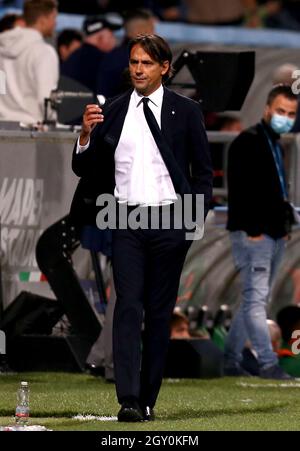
x=165, y=67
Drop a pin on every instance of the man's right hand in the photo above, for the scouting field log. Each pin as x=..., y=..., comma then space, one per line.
x=91, y=117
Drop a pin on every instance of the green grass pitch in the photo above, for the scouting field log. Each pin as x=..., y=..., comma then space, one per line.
x=233, y=404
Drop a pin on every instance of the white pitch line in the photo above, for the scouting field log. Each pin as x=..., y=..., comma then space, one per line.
x=93, y=418
x=282, y=385
x=17, y=427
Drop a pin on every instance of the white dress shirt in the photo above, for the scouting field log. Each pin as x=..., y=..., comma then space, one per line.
x=140, y=172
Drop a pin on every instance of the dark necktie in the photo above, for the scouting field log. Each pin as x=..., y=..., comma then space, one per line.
x=181, y=185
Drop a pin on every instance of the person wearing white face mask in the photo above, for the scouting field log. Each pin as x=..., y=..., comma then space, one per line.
x=259, y=220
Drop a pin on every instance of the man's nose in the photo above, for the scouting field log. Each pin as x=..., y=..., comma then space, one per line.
x=139, y=68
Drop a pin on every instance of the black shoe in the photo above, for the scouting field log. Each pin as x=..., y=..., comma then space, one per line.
x=148, y=414
x=130, y=412
x=235, y=371
x=94, y=370
x=275, y=372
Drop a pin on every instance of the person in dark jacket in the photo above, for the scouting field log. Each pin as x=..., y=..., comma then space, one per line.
x=68, y=41
x=84, y=64
x=259, y=221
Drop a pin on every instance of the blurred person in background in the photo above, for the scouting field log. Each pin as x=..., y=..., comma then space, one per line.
x=283, y=74
x=274, y=14
x=179, y=327
x=281, y=14
x=137, y=21
x=166, y=10
x=67, y=42
x=169, y=10
x=86, y=7
x=12, y=3
x=30, y=64
x=216, y=12
x=84, y=64
x=114, y=78
x=10, y=21
x=259, y=220
x=286, y=74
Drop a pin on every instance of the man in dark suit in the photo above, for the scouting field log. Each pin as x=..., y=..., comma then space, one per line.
x=146, y=147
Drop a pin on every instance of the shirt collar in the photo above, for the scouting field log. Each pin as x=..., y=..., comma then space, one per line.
x=156, y=97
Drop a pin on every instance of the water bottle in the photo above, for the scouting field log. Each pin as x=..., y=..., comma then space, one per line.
x=22, y=409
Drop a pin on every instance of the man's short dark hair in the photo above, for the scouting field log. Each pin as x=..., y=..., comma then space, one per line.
x=33, y=9
x=8, y=21
x=156, y=47
x=177, y=319
x=283, y=90
x=67, y=36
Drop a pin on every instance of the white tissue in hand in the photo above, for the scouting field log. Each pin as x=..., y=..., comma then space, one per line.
x=101, y=99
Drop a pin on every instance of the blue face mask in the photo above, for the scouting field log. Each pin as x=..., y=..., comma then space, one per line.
x=281, y=124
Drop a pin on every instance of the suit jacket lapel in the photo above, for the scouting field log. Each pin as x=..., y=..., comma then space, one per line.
x=168, y=125
x=168, y=116
x=115, y=113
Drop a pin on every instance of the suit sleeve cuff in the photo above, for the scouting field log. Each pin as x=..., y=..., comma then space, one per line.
x=79, y=148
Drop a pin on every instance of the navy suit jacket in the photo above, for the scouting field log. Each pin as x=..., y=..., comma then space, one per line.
x=183, y=131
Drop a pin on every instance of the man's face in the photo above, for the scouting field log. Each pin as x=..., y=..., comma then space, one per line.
x=106, y=40
x=180, y=330
x=146, y=74
x=49, y=24
x=281, y=105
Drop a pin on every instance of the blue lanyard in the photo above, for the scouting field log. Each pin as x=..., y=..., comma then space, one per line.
x=279, y=163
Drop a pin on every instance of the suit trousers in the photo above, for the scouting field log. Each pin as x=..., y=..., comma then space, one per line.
x=147, y=265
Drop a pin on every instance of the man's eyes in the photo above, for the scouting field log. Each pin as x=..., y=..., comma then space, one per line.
x=146, y=63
